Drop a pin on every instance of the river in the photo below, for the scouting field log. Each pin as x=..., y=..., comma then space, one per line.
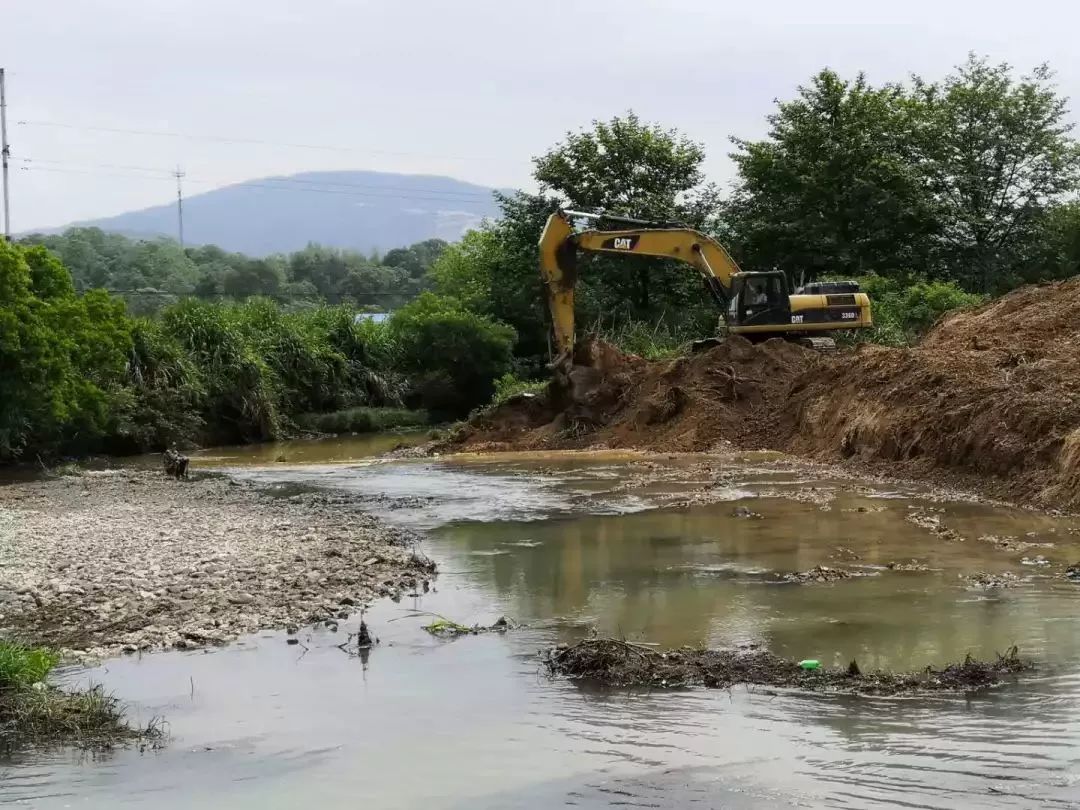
x=565, y=543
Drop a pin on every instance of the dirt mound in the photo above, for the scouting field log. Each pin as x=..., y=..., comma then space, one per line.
x=730, y=395
x=992, y=392
x=612, y=662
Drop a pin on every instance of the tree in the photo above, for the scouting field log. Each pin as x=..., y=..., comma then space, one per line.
x=951, y=180
x=416, y=259
x=453, y=355
x=626, y=166
x=834, y=188
x=61, y=356
x=997, y=155
x=252, y=277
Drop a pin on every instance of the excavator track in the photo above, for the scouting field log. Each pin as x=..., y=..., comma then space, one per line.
x=820, y=344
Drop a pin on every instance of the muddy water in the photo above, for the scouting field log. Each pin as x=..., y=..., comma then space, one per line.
x=564, y=544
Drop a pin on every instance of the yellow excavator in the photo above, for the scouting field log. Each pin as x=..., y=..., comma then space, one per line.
x=756, y=305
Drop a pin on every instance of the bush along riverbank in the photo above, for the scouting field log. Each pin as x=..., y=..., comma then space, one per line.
x=34, y=712
x=80, y=376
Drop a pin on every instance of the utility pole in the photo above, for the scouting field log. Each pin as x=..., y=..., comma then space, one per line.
x=180, y=204
x=5, y=153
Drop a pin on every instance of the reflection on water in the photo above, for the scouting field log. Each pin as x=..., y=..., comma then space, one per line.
x=563, y=544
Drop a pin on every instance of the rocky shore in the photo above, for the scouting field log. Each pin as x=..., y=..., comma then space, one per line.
x=125, y=561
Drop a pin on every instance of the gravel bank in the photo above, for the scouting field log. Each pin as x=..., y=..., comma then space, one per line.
x=125, y=561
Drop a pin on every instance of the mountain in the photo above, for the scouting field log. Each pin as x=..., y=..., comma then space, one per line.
x=361, y=210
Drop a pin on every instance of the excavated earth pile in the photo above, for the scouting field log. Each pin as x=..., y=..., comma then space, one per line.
x=990, y=394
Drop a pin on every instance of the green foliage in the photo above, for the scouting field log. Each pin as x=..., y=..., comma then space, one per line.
x=452, y=355
x=363, y=420
x=61, y=356
x=653, y=341
x=996, y=154
x=508, y=386
x=165, y=399
x=24, y=666
x=627, y=166
x=958, y=180
x=151, y=275
x=903, y=312
x=833, y=189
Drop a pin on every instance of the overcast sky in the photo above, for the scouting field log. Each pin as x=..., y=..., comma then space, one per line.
x=470, y=88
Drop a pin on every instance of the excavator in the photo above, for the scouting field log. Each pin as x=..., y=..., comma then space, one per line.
x=756, y=305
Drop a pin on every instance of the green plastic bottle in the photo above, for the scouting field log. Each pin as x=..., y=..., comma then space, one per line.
x=810, y=663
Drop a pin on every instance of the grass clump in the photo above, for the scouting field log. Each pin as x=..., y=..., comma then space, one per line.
x=508, y=386
x=24, y=666
x=36, y=713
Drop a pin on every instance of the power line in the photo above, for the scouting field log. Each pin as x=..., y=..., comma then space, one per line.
x=241, y=141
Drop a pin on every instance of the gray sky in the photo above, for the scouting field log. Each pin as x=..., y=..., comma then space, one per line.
x=471, y=88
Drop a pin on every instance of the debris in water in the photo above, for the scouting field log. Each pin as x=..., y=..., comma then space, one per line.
x=1011, y=543
x=914, y=565
x=743, y=512
x=810, y=663
x=819, y=573
x=1039, y=560
x=612, y=662
x=448, y=628
x=985, y=580
x=932, y=523
x=363, y=637
x=1073, y=572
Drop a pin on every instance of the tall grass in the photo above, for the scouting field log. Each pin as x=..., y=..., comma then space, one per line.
x=24, y=666
x=666, y=337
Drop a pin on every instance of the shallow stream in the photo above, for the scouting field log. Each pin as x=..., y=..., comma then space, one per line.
x=565, y=543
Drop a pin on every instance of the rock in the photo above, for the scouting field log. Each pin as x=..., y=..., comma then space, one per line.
x=1073, y=572
x=241, y=599
x=985, y=580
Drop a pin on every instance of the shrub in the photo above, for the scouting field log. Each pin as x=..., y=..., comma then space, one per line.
x=905, y=311
x=453, y=355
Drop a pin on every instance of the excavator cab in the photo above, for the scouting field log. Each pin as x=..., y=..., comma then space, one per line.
x=759, y=299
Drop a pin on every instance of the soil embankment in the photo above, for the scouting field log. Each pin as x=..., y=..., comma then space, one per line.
x=990, y=396
x=101, y=563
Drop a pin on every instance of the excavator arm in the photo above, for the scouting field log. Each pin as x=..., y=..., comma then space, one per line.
x=560, y=244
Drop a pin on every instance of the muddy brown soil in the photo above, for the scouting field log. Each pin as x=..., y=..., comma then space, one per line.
x=989, y=400
x=612, y=662
x=127, y=561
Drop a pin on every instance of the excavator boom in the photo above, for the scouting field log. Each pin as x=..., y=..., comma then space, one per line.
x=755, y=303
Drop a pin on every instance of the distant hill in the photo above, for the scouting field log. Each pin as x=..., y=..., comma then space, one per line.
x=361, y=210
